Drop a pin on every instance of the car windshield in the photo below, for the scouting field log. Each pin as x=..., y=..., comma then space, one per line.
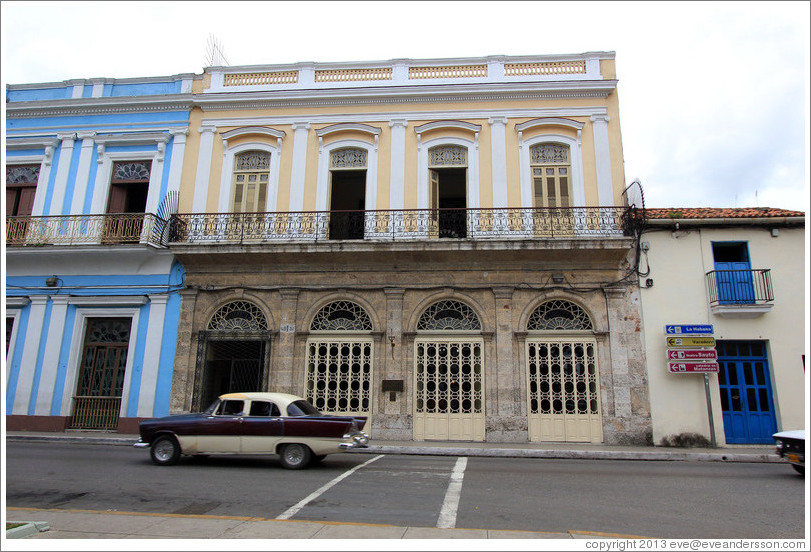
x=212, y=408
x=302, y=408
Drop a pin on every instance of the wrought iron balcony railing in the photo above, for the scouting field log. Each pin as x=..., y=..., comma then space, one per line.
x=740, y=287
x=395, y=225
x=108, y=229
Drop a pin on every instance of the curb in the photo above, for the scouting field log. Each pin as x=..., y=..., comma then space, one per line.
x=29, y=528
x=671, y=456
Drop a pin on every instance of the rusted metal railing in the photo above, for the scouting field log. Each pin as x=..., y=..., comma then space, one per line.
x=95, y=412
x=144, y=228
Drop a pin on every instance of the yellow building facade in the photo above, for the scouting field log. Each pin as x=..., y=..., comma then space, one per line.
x=443, y=246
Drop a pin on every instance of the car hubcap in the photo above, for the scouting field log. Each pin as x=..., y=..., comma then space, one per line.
x=294, y=454
x=164, y=451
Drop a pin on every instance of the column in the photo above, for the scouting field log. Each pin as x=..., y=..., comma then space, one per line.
x=152, y=356
x=50, y=360
x=397, y=179
x=282, y=379
x=202, y=178
x=298, y=172
x=620, y=377
x=499, y=161
x=602, y=159
x=62, y=172
x=394, y=355
x=176, y=163
x=28, y=364
x=506, y=384
x=186, y=355
x=82, y=173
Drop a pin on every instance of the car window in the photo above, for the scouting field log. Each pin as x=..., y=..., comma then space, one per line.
x=211, y=409
x=231, y=408
x=302, y=408
x=264, y=408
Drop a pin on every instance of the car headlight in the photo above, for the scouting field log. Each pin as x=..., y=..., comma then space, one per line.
x=778, y=443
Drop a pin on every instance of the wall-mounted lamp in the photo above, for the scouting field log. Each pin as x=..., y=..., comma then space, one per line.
x=558, y=278
x=52, y=281
x=391, y=340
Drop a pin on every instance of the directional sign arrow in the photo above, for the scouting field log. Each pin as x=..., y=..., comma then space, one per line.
x=691, y=367
x=691, y=342
x=692, y=354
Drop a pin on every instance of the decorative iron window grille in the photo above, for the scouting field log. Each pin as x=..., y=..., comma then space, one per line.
x=447, y=156
x=131, y=171
x=449, y=377
x=342, y=316
x=22, y=174
x=339, y=375
x=348, y=158
x=449, y=316
x=563, y=378
x=549, y=153
x=252, y=161
x=238, y=315
x=559, y=315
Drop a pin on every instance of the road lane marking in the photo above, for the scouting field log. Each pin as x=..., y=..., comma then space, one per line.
x=447, y=516
x=293, y=510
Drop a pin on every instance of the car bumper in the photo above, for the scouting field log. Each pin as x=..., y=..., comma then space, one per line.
x=140, y=444
x=359, y=440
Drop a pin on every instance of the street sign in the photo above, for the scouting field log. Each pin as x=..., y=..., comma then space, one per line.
x=691, y=342
x=692, y=354
x=688, y=329
x=691, y=367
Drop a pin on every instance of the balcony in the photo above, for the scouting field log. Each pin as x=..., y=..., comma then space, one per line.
x=740, y=293
x=108, y=229
x=400, y=225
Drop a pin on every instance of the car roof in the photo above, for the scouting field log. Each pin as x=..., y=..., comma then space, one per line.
x=283, y=398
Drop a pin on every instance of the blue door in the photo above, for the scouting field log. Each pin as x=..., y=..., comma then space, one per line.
x=744, y=382
x=734, y=281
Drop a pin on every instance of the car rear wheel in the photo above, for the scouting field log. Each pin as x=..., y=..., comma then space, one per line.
x=165, y=451
x=295, y=456
x=799, y=469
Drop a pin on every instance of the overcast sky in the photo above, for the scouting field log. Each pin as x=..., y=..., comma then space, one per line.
x=713, y=96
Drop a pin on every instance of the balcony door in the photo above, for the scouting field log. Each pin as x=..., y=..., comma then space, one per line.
x=447, y=175
x=733, y=273
x=129, y=187
x=347, y=194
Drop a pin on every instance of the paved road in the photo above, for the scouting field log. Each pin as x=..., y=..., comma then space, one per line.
x=656, y=499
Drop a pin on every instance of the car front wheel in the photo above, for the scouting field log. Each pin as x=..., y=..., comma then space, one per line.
x=295, y=456
x=799, y=469
x=165, y=451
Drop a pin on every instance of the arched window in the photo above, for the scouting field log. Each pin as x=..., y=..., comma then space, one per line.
x=348, y=158
x=559, y=315
x=448, y=316
x=341, y=316
x=251, y=176
x=238, y=315
x=551, y=171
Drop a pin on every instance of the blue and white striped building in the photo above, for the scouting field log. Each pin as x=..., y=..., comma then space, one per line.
x=93, y=170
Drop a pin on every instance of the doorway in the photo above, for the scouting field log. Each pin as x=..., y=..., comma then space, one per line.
x=449, y=202
x=733, y=273
x=347, y=205
x=232, y=366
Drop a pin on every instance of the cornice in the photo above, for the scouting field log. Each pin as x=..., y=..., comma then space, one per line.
x=98, y=106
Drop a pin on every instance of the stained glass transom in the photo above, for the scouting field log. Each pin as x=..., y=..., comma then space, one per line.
x=134, y=171
x=252, y=161
x=563, y=378
x=447, y=156
x=559, y=315
x=22, y=174
x=348, y=158
x=238, y=315
x=449, y=315
x=339, y=375
x=342, y=316
x=549, y=153
x=449, y=377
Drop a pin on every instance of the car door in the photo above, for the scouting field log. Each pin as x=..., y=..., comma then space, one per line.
x=262, y=427
x=220, y=431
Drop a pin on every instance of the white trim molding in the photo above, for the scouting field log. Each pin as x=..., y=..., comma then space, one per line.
x=324, y=173
x=602, y=160
x=576, y=159
x=202, y=177
x=101, y=189
x=397, y=174
x=252, y=130
x=298, y=171
x=45, y=162
x=473, y=195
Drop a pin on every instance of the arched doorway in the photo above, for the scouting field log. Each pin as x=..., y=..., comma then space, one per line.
x=563, y=382
x=234, y=352
x=449, y=374
x=340, y=353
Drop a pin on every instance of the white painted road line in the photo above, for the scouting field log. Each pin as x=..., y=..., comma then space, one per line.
x=447, y=516
x=293, y=510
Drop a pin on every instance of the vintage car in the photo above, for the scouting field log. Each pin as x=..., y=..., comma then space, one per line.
x=253, y=423
x=791, y=446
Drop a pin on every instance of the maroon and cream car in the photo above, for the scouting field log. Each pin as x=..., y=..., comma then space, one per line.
x=253, y=423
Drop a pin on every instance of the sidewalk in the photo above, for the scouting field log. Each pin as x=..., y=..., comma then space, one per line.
x=78, y=524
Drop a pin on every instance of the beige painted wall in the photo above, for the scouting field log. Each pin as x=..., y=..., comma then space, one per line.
x=679, y=261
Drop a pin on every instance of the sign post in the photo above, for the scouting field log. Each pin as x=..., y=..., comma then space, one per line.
x=691, y=350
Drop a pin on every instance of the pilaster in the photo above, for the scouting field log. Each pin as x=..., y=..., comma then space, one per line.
x=202, y=177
